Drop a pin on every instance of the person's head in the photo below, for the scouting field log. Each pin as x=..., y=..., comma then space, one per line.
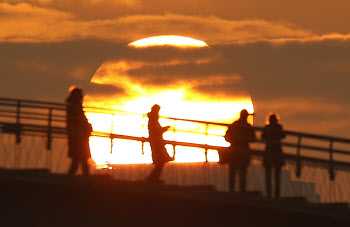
x=155, y=108
x=154, y=113
x=244, y=114
x=75, y=94
x=272, y=118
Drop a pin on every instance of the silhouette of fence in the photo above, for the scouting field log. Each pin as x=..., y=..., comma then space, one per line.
x=20, y=119
x=47, y=119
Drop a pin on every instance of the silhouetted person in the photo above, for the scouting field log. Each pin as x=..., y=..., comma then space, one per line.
x=79, y=131
x=239, y=134
x=273, y=157
x=159, y=154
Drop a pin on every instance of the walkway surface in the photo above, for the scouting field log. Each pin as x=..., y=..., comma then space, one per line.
x=39, y=198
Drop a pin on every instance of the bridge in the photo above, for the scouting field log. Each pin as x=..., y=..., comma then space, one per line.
x=29, y=118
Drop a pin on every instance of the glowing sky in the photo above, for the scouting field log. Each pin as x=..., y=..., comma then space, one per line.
x=292, y=57
x=162, y=80
x=172, y=40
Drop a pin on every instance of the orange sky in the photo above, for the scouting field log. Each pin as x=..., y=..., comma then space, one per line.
x=178, y=80
x=292, y=57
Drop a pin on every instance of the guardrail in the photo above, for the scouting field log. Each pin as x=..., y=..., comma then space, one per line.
x=28, y=117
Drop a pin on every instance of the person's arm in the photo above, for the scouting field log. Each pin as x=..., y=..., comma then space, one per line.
x=164, y=129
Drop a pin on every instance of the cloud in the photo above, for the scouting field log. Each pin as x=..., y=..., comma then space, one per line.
x=306, y=83
x=278, y=61
x=315, y=69
x=326, y=17
x=23, y=22
x=309, y=115
x=199, y=70
x=91, y=7
x=47, y=70
x=103, y=90
x=26, y=23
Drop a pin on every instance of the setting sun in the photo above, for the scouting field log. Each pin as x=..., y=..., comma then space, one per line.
x=172, y=40
x=179, y=100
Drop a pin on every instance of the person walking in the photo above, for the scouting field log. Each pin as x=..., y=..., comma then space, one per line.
x=79, y=131
x=160, y=155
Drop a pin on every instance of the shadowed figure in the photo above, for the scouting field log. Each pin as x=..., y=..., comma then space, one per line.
x=159, y=154
x=273, y=157
x=239, y=134
x=79, y=131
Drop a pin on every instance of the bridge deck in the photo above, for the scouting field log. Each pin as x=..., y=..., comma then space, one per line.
x=38, y=198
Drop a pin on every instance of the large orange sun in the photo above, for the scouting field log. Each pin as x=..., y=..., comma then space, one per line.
x=172, y=40
x=180, y=98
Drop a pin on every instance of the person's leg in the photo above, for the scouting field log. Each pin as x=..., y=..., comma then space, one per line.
x=232, y=175
x=158, y=171
x=73, y=167
x=155, y=173
x=243, y=178
x=277, y=181
x=85, y=167
x=268, y=180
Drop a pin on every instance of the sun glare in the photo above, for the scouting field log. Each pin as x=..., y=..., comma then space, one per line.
x=171, y=40
x=173, y=104
x=178, y=99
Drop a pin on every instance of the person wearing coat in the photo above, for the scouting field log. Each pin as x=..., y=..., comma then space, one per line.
x=160, y=155
x=239, y=134
x=273, y=157
x=78, y=130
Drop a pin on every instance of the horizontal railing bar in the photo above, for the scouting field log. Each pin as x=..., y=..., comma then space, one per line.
x=316, y=148
x=44, y=129
x=40, y=119
x=292, y=133
x=8, y=116
x=32, y=106
x=31, y=113
x=32, y=101
x=42, y=107
x=13, y=114
x=321, y=162
x=324, y=163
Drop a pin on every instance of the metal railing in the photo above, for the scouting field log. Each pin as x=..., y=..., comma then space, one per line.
x=37, y=118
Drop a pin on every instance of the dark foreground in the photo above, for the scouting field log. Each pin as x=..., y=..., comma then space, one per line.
x=38, y=198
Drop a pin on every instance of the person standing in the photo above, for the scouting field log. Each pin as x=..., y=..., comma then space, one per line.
x=273, y=157
x=239, y=134
x=79, y=131
x=160, y=155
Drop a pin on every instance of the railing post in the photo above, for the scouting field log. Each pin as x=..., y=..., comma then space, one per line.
x=174, y=147
x=111, y=134
x=49, y=140
x=143, y=138
x=331, y=165
x=298, y=170
x=49, y=130
x=18, y=118
x=206, y=135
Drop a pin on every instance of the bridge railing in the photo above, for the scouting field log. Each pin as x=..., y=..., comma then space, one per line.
x=27, y=117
